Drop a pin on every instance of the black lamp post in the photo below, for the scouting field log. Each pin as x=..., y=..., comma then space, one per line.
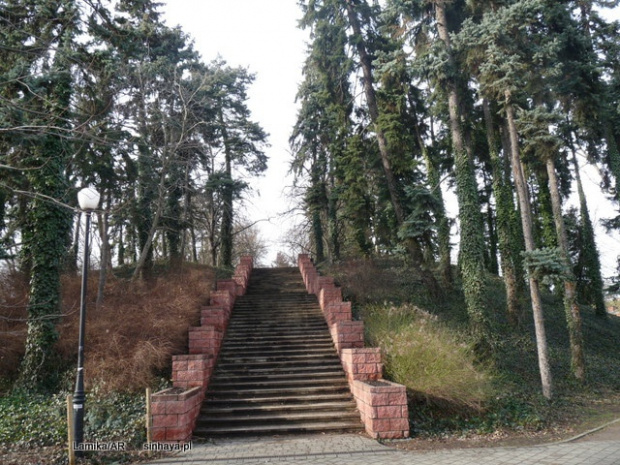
x=88, y=199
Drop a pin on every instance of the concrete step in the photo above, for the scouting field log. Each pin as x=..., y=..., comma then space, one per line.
x=251, y=384
x=271, y=375
x=285, y=427
x=223, y=410
x=294, y=370
x=263, y=418
x=258, y=339
x=320, y=349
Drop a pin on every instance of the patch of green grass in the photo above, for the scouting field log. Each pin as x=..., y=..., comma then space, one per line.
x=426, y=356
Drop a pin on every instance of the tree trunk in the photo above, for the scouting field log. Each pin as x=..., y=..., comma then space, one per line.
x=75, y=250
x=443, y=224
x=589, y=258
x=504, y=211
x=573, y=315
x=226, y=230
x=192, y=230
x=472, y=245
x=373, y=110
x=144, y=262
x=526, y=220
x=392, y=184
x=105, y=254
x=186, y=214
x=332, y=218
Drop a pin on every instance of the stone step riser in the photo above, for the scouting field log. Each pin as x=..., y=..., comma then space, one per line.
x=278, y=366
x=266, y=352
x=253, y=393
x=309, y=333
x=251, y=386
x=283, y=428
x=249, y=373
x=284, y=403
x=250, y=409
x=261, y=420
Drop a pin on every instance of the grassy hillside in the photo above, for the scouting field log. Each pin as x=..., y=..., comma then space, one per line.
x=454, y=388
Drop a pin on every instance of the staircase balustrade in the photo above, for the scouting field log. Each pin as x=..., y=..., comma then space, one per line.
x=382, y=404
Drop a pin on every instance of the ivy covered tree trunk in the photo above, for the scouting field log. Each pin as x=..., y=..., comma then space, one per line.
x=443, y=223
x=46, y=244
x=147, y=193
x=332, y=219
x=571, y=308
x=504, y=211
x=316, y=199
x=472, y=235
x=226, y=227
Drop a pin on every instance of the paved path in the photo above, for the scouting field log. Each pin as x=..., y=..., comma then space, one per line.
x=595, y=449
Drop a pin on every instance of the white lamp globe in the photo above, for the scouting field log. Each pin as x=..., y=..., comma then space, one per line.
x=88, y=198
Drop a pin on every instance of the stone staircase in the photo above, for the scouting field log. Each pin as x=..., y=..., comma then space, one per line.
x=278, y=371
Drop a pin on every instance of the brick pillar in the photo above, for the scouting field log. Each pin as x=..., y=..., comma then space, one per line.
x=217, y=317
x=383, y=408
x=194, y=370
x=242, y=279
x=347, y=334
x=329, y=294
x=311, y=281
x=205, y=340
x=337, y=311
x=305, y=263
x=223, y=299
x=229, y=285
x=242, y=275
x=247, y=260
x=174, y=414
x=362, y=363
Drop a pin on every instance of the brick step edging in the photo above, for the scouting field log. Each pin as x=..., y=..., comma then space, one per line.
x=382, y=404
x=174, y=411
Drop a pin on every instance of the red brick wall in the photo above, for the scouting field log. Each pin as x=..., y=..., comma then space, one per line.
x=174, y=411
x=189, y=371
x=205, y=340
x=215, y=316
x=337, y=311
x=382, y=404
x=347, y=334
x=362, y=364
x=383, y=407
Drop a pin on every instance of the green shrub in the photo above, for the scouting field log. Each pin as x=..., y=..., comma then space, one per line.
x=33, y=420
x=115, y=417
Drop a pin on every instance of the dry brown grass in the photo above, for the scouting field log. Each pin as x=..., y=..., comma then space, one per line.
x=13, y=290
x=131, y=337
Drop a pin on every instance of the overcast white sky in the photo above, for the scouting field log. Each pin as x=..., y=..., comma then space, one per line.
x=262, y=35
